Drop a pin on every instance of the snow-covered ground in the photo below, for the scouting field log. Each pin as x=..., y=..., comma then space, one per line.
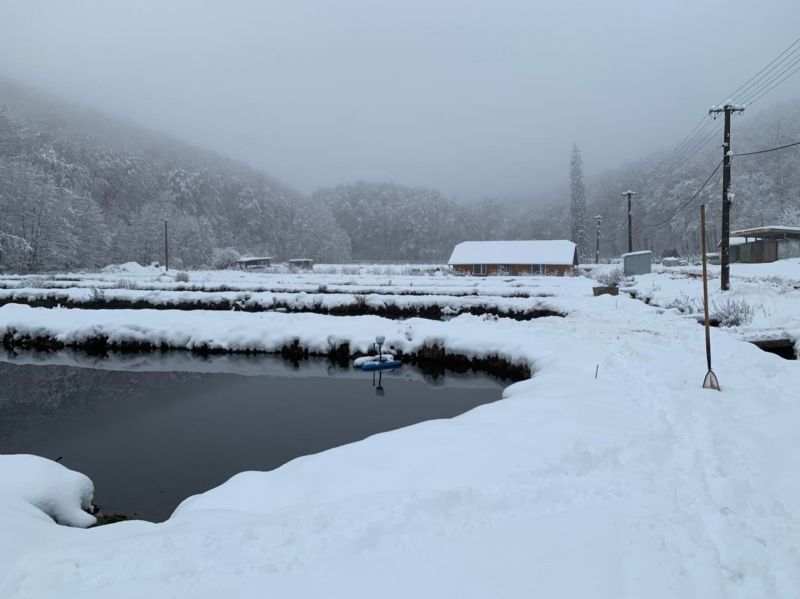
x=147, y=278
x=766, y=297
x=610, y=473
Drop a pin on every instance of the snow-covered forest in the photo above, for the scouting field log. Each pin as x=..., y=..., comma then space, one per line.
x=79, y=190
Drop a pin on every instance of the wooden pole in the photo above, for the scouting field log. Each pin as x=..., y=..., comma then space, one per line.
x=725, y=233
x=710, y=382
x=628, y=194
x=166, y=247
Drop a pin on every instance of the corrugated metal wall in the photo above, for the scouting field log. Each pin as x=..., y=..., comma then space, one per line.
x=788, y=248
x=637, y=264
x=769, y=250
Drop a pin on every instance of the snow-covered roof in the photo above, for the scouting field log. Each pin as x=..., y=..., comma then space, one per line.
x=732, y=241
x=766, y=231
x=252, y=258
x=639, y=253
x=543, y=251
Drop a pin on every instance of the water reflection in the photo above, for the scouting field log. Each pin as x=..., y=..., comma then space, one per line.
x=153, y=429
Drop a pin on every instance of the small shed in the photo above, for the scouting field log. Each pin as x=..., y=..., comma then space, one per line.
x=637, y=263
x=301, y=263
x=524, y=257
x=253, y=262
x=764, y=244
x=671, y=261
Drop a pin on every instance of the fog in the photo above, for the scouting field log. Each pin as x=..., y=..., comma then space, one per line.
x=478, y=99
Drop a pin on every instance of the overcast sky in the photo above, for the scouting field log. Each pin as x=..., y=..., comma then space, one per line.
x=476, y=98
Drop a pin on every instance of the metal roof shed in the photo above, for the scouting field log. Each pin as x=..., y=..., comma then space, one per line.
x=637, y=263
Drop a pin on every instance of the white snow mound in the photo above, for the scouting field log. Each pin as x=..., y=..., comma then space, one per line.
x=130, y=267
x=59, y=492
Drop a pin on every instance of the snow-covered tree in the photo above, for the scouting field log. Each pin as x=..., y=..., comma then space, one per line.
x=577, y=202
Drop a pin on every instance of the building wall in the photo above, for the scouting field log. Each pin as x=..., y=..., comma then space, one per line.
x=788, y=248
x=518, y=269
x=766, y=250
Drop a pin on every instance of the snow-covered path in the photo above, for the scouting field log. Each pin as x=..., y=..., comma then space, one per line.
x=636, y=483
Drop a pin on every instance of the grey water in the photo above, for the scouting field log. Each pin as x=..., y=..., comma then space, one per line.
x=153, y=430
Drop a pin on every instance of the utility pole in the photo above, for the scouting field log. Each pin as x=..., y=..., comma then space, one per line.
x=599, y=220
x=629, y=193
x=166, y=247
x=725, y=233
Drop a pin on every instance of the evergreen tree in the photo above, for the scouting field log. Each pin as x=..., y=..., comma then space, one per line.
x=577, y=204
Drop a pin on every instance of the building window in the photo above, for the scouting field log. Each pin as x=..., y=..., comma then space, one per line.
x=479, y=269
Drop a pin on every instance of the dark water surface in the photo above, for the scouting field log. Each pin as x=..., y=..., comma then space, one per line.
x=151, y=431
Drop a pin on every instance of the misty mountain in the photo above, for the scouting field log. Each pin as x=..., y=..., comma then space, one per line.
x=78, y=189
x=81, y=190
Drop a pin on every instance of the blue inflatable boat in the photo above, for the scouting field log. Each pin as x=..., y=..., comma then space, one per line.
x=384, y=365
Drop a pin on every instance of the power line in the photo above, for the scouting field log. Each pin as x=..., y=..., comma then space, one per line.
x=696, y=131
x=770, y=74
x=686, y=204
x=776, y=74
x=697, y=139
x=748, y=82
x=791, y=145
x=759, y=83
x=766, y=91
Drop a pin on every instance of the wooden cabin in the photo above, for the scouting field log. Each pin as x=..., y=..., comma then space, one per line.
x=527, y=257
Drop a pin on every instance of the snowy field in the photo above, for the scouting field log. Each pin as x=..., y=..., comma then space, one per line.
x=610, y=473
x=329, y=279
x=763, y=302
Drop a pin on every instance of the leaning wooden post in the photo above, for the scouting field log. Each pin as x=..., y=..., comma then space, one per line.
x=710, y=382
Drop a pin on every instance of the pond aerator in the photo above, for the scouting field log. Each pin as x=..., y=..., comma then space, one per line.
x=381, y=363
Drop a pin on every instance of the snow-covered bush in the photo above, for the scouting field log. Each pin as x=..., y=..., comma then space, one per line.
x=686, y=304
x=222, y=258
x=36, y=282
x=733, y=312
x=126, y=284
x=182, y=277
x=610, y=278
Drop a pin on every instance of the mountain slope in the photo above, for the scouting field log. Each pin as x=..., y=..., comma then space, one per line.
x=81, y=190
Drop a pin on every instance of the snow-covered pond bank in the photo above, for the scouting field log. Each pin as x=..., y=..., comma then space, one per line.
x=150, y=436
x=463, y=341
x=339, y=304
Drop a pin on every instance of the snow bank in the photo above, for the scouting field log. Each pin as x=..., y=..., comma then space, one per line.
x=57, y=491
